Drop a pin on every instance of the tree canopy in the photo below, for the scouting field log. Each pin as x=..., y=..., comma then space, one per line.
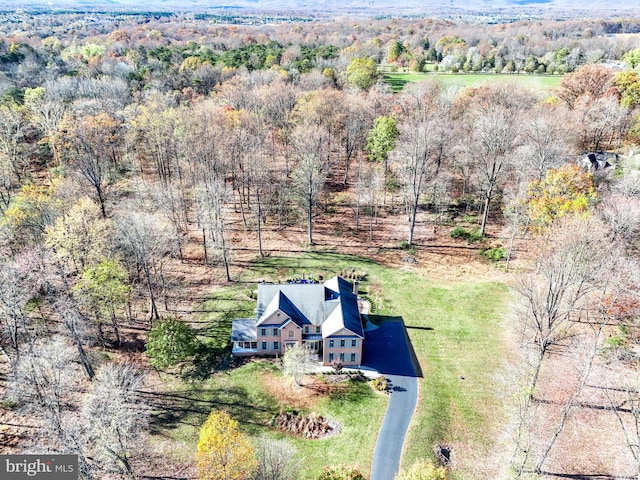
x=224, y=453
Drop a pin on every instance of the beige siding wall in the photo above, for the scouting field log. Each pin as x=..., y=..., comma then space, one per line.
x=272, y=339
x=343, y=349
x=291, y=333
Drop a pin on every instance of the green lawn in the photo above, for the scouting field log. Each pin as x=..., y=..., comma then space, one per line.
x=454, y=329
x=538, y=82
x=357, y=408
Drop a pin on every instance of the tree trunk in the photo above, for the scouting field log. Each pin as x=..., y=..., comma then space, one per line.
x=511, y=242
x=259, y=221
x=371, y=228
x=204, y=245
x=485, y=210
x=224, y=255
x=153, y=309
x=101, y=200
x=412, y=223
x=83, y=355
x=100, y=332
x=116, y=327
x=310, y=219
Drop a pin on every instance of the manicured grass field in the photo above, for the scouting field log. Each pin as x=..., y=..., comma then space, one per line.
x=537, y=82
x=455, y=331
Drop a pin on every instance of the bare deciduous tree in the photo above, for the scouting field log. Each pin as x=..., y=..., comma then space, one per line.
x=357, y=121
x=44, y=381
x=276, y=460
x=146, y=240
x=211, y=198
x=497, y=112
x=573, y=277
x=547, y=144
x=603, y=123
x=114, y=418
x=14, y=128
x=18, y=285
x=371, y=185
x=421, y=146
x=93, y=148
x=298, y=361
x=310, y=148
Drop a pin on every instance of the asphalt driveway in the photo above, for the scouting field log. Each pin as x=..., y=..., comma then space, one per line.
x=387, y=351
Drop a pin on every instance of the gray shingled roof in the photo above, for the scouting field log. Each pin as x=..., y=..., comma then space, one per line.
x=282, y=303
x=348, y=316
x=309, y=299
x=332, y=304
x=244, y=330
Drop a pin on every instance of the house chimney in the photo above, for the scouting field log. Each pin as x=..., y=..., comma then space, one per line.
x=355, y=287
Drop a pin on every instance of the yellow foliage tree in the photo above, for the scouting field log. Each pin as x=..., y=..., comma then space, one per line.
x=224, y=453
x=567, y=190
x=423, y=470
x=33, y=209
x=80, y=237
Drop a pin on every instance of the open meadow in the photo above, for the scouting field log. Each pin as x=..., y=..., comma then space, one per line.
x=463, y=80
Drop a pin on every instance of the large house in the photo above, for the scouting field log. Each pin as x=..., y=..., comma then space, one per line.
x=324, y=316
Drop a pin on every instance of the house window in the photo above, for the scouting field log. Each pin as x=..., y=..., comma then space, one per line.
x=292, y=334
x=342, y=357
x=331, y=357
x=317, y=328
x=263, y=346
x=331, y=343
x=263, y=332
x=342, y=342
x=276, y=346
x=275, y=332
x=353, y=357
x=306, y=329
x=254, y=345
x=354, y=343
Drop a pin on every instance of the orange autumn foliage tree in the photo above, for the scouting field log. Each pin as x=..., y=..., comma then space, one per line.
x=224, y=453
x=567, y=190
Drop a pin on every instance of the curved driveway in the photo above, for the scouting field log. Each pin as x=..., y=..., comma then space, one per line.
x=386, y=350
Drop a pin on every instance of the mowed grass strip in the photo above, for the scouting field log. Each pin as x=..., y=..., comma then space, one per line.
x=455, y=331
x=462, y=80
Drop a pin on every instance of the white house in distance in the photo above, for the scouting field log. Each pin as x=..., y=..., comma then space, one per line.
x=325, y=316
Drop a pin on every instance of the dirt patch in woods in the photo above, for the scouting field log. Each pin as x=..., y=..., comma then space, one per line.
x=435, y=253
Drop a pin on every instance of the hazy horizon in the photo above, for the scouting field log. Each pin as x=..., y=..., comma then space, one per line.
x=373, y=7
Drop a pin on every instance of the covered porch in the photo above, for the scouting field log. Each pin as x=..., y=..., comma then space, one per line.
x=244, y=337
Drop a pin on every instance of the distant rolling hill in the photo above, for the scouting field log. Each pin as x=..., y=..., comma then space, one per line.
x=373, y=7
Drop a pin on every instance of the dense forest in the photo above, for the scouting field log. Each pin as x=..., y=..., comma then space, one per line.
x=145, y=159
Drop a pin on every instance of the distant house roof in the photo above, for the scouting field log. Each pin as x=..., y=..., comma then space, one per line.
x=244, y=330
x=597, y=160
